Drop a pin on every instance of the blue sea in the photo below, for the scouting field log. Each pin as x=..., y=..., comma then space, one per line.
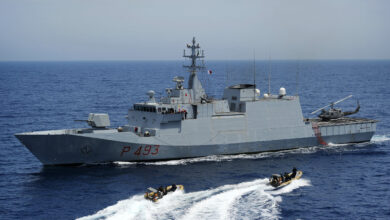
x=349, y=181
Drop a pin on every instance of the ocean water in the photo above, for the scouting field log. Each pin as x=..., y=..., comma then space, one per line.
x=349, y=181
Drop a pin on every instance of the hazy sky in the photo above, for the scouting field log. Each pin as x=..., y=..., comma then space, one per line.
x=159, y=29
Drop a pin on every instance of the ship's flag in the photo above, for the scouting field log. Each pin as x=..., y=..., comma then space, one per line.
x=210, y=72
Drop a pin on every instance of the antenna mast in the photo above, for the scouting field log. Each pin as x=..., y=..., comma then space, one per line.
x=196, y=53
x=194, y=85
x=269, y=75
x=297, y=84
x=254, y=75
x=227, y=75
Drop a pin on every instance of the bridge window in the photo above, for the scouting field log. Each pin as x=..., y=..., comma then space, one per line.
x=146, y=108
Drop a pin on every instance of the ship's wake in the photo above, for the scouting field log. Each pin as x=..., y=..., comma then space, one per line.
x=380, y=138
x=221, y=158
x=247, y=200
x=376, y=139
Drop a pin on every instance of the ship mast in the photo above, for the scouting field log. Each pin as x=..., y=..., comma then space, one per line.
x=193, y=82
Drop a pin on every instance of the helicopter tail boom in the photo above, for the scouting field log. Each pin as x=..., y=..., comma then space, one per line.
x=353, y=112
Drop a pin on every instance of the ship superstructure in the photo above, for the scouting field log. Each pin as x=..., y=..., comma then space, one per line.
x=187, y=123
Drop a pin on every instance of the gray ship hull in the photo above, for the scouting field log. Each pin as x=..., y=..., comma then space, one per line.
x=61, y=147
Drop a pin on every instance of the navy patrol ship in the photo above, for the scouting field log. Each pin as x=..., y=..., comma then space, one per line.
x=187, y=123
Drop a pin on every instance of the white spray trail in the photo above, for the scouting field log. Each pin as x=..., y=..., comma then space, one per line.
x=247, y=200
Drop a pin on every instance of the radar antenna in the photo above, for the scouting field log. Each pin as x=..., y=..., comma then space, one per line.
x=332, y=104
x=193, y=82
x=196, y=53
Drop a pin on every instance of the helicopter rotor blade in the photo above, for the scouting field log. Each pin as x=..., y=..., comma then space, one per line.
x=342, y=99
x=320, y=109
x=332, y=103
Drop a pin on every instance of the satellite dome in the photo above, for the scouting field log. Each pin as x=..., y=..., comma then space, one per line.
x=150, y=93
x=282, y=91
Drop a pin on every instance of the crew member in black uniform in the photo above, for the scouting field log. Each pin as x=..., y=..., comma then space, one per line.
x=294, y=172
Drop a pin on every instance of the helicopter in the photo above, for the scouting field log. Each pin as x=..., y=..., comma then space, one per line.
x=335, y=113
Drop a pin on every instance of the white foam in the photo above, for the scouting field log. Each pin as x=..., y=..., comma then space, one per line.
x=220, y=158
x=380, y=138
x=337, y=145
x=292, y=186
x=245, y=200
